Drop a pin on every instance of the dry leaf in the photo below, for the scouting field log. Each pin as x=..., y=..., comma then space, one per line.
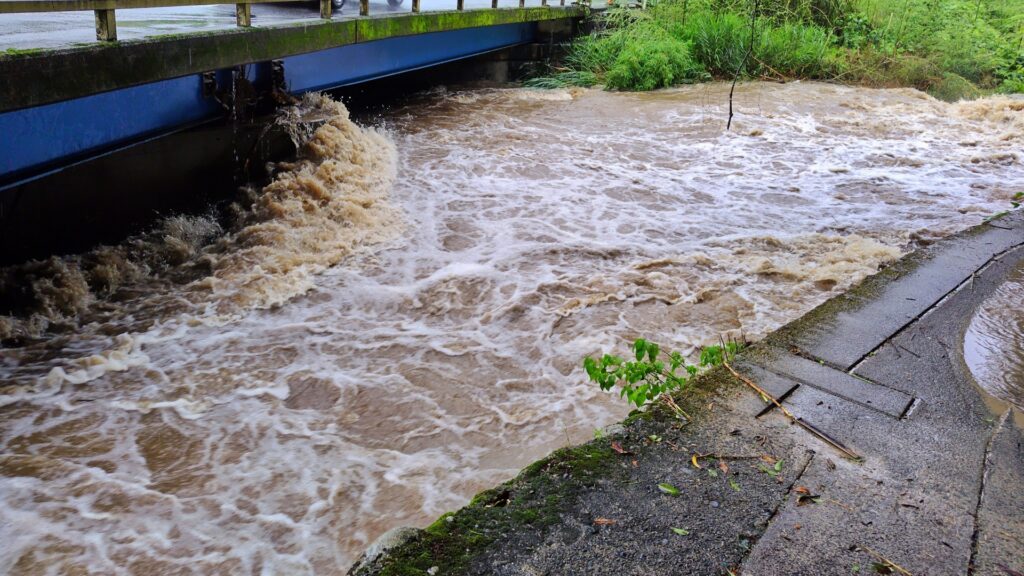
x=618, y=448
x=604, y=521
x=693, y=460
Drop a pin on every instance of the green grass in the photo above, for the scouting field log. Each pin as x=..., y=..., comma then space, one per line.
x=951, y=48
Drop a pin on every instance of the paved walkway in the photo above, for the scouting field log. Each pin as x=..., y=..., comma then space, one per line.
x=940, y=488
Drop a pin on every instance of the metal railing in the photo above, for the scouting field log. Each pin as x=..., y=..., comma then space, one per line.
x=106, y=22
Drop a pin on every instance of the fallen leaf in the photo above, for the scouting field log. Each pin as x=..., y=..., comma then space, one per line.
x=618, y=448
x=802, y=490
x=604, y=521
x=635, y=463
x=802, y=499
x=734, y=485
x=723, y=466
x=668, y=489
x=681, y=531
x=768, y=458
x=778, y=466
x=693, y=460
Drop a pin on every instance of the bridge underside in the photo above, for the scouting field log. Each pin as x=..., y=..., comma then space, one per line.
x=62, y=106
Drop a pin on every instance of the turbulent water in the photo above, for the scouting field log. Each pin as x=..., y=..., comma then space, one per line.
x=994, y=341
x=397, y=321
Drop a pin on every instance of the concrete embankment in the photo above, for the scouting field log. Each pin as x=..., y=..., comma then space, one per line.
x=938, y=488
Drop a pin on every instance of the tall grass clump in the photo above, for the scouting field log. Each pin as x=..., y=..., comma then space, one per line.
x=651, y=58
x=951, y=48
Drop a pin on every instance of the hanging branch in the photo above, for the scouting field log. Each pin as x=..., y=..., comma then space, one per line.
x=743, y=63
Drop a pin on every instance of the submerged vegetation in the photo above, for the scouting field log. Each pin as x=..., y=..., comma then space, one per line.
x=951, y=48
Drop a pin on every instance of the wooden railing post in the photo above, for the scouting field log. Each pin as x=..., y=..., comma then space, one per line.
x=522, y=3
x=106, y=25
x=243, y=14
x=543, y=2
x=460, y=4
x=494, y=3
x=364, y=7
x=415, y=6
x=325, y=9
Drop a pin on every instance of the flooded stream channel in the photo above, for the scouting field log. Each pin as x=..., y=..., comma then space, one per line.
x=399, y=320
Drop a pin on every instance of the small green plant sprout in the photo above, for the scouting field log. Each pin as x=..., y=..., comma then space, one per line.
x=774, y=470
x=647, y=378
x=681, y=531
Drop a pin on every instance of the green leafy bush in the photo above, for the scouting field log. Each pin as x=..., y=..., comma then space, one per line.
x=647, y=65
x=951, y=48
x=647, y=378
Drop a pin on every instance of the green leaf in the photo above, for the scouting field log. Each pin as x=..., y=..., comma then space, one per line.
x=712, y=472
x=734, y=485
x=652, y=351
x=778, y=466
x=639, y=347
x=681, y=531
x=668, y=489
x=590, y=365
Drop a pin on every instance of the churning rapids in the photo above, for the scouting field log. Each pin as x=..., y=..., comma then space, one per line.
x=397, y=321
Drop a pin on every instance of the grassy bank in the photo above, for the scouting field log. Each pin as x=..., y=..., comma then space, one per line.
x=951, y=48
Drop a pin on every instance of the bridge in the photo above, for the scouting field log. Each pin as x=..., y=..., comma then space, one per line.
x=98, y=136
x=65, y=104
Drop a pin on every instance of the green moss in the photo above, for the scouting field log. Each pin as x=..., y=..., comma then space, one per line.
x=533, y=500
x=21, y=52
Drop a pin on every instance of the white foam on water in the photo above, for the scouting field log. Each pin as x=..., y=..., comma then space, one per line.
x=390, y=338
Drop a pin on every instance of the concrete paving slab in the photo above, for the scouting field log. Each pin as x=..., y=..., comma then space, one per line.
x=854, y=332
x=863, y=392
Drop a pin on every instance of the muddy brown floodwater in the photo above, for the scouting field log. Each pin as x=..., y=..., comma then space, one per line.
x=994, y=341
x=398, y=320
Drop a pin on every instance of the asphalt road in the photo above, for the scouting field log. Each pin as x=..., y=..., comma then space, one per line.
x=60, y=29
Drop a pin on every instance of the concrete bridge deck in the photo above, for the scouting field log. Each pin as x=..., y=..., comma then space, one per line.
x=67, y=29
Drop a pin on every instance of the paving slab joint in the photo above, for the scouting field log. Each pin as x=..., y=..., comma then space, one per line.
x=969, y=281
x=782, y=502
x=986, y=467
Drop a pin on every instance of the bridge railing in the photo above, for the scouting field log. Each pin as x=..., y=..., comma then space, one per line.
x=106, y=23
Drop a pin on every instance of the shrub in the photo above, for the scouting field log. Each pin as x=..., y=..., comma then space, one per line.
x=797, y=50
x=651, y=64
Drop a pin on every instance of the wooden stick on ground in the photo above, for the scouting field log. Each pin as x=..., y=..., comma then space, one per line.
x=887, y=562
x=805, y=425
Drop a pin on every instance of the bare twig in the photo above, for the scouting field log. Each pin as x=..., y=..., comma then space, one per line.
x=674, y=407
x=886, y=561
x=805, y=425
x=743, y=63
